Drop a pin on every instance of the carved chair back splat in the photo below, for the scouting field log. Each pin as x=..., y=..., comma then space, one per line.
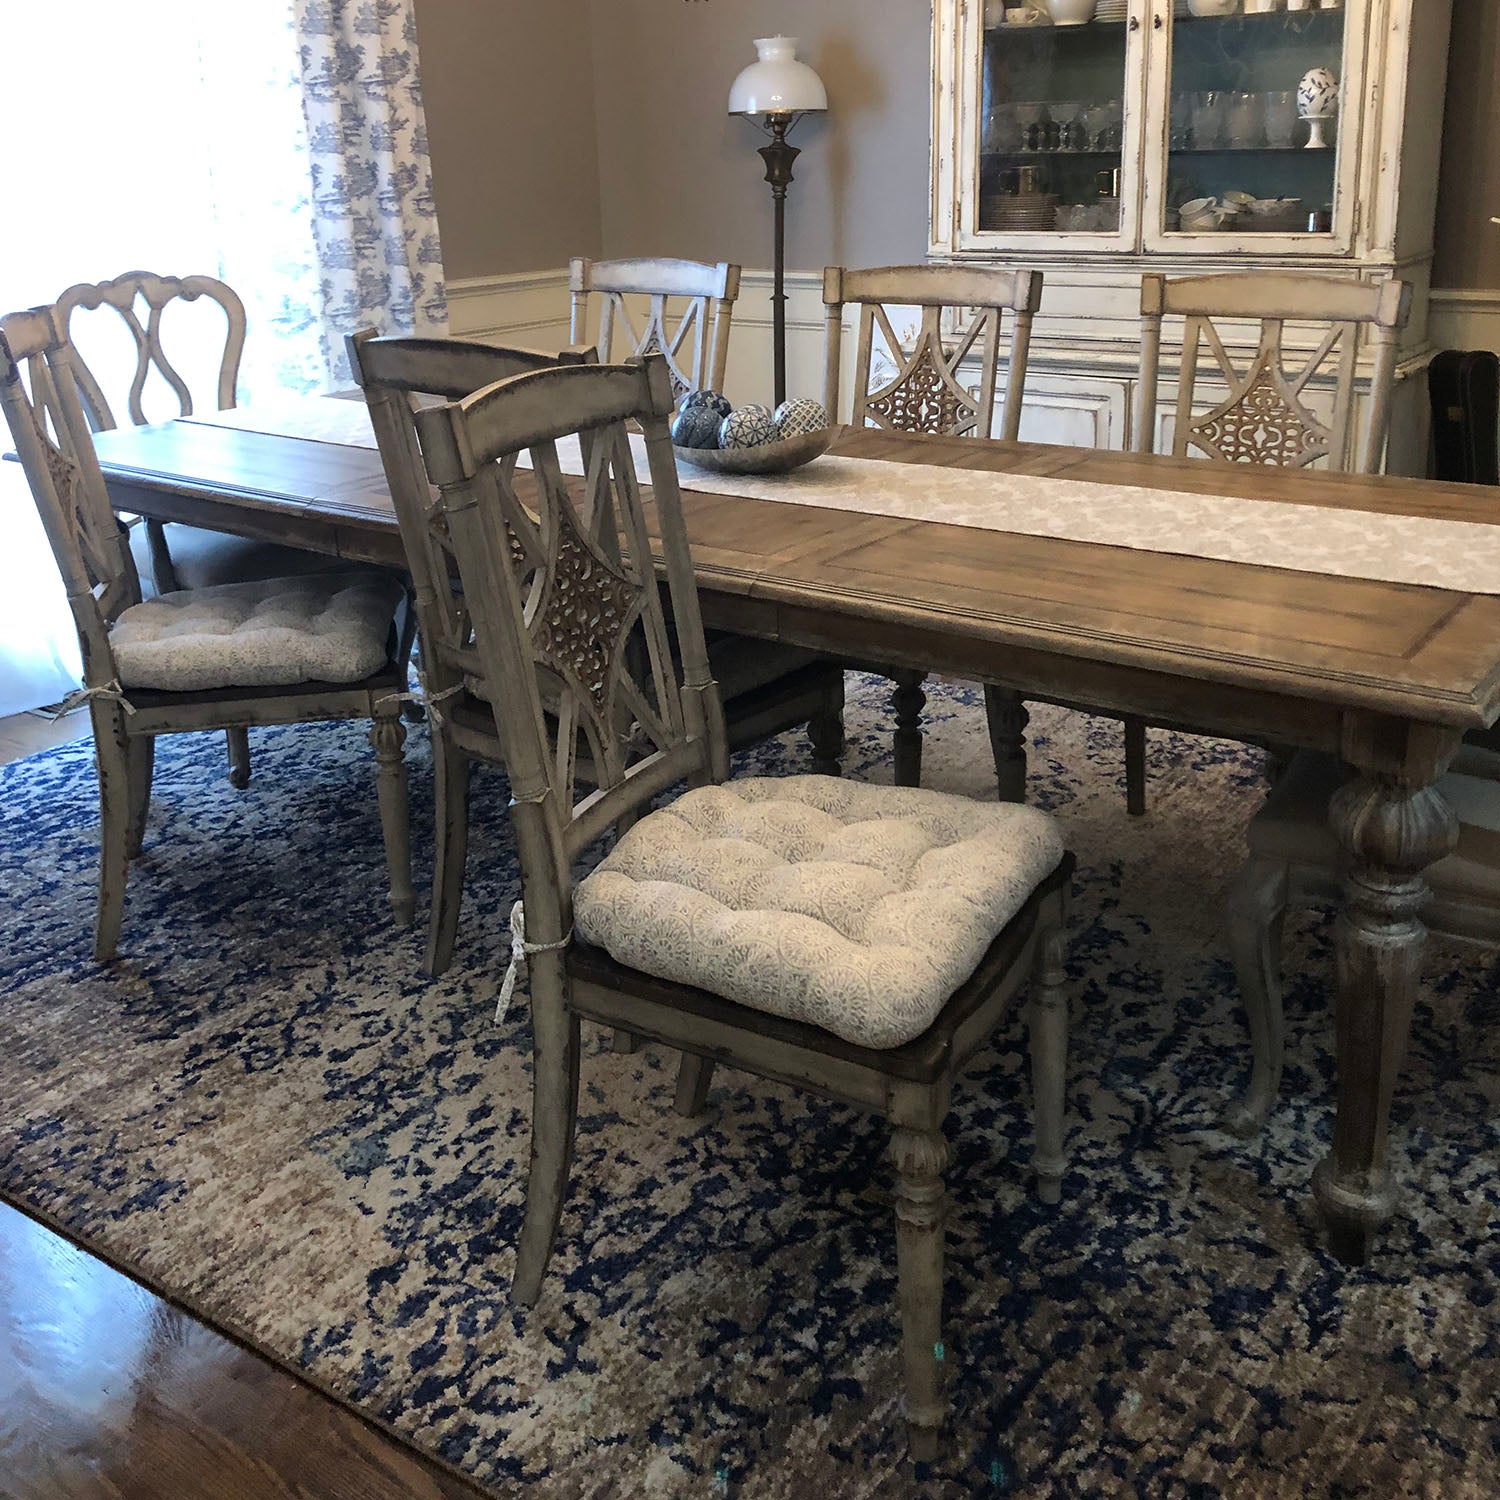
x=693, y=339
x=1264, y=417
x=924, y=393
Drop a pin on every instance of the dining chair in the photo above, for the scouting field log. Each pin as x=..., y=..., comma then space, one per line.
x=178, y=556
x=1296, y=859
x=689, y=307
x=913, y=381
x=279, y=651
x=856, y=940
x=767, y=687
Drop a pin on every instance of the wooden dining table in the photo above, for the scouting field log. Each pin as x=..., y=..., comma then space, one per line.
x=1387, y=675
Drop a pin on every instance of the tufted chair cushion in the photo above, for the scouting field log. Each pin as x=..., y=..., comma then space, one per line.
x=856, y=908
x=328, y=627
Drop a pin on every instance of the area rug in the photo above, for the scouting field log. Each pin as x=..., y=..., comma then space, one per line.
x=265, y=1108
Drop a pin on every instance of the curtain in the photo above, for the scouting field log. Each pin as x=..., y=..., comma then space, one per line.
x=374, y=220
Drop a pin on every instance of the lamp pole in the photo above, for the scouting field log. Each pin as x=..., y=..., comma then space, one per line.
x=779, y=156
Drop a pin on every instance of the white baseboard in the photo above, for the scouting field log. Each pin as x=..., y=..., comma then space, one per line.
x=1465, y=319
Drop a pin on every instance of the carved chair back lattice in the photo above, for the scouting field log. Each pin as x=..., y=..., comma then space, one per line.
x=1264, y=416
x=140, y=298
x=688, y=306
x=921, y=389
x=569, y=620
x=39, y=388
x=398, y=376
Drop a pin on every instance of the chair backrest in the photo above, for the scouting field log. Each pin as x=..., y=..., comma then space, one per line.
x=693, y=339
x=923, y=393
x=128, y=295
x=1264, y=419
x=395, y=374
x=39, y=391
x=568, y=615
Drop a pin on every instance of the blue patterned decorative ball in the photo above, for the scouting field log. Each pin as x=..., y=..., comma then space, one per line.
x=709, y=400
x=798, y=416
x=696, y=427
x=747, y=427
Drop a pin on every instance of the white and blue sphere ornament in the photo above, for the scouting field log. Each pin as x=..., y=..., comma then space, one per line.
x=798, y=416
x=747, y=427
x=696, y=427
x=708, y=400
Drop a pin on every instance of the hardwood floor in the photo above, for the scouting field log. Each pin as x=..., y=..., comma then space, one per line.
x=109, y=1393
x=29, y=734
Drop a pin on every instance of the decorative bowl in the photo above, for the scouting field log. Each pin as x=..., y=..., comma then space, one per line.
x=769, y=458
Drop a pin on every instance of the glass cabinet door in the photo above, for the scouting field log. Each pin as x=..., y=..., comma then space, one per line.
x=1056, y=106
x=1253, y=132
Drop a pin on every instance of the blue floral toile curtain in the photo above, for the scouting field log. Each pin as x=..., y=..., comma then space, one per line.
x=374, y=220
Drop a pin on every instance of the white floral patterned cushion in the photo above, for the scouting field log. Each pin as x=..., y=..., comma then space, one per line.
x=856, y=908
x=327, y=627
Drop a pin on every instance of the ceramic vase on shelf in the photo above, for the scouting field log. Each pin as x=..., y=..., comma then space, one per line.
x=1317, y=103
x=1069, y=12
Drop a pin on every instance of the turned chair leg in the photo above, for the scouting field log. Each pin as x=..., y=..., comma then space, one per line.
x=140, y=755
x=554, y=1114
x=694, y=1076
x=1048, y=1034
x=450, y=769
x=1135, y=767
x=112, y=760
x=1007, y=718
x=237, y=744
x=387, y=735
x=920, y=1157
x=908, y=700
x=1257, y=909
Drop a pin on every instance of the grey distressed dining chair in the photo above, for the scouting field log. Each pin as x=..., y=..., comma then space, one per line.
x=858, y=940
x=689, y=305
x=1295, y=859
x=278, y=651
x=766, y=687
x=178, y=556
x=913, y=381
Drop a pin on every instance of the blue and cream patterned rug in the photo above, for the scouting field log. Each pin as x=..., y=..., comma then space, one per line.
x=265, y=1109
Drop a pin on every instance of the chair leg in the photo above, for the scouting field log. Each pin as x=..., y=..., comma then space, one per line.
x=405, y=644
x=1135, y=767
x=237, y=743
x=825, y=731
x=1007, y=718
x=554, y=1113
x=920, y=1157
x=694, y=1076
x=626, y=1042
x=387, y=735
x=1048, y=1028
x=1257, y=908
x=140, y=755
x=450, y=769
x=908, y=700
x=112, y=760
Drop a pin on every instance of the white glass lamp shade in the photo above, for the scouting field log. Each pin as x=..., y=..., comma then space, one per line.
x=778, y=84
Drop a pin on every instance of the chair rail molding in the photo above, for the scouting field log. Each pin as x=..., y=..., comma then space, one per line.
x=525, y=307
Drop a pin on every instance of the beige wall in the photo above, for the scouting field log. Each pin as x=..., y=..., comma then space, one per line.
x=1468, y=245
x=508, y=90
x=565, y=127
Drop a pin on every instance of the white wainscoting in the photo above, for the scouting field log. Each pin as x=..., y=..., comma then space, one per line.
x=1465, y=319
x=529, y=308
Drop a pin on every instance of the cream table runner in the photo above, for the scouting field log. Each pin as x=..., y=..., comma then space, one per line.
x=1459, y=555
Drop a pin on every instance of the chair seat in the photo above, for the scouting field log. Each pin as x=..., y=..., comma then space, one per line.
x=1293, y=825
x=331, y=627
x=205, y=559
x=742, y=663
x=859, y=909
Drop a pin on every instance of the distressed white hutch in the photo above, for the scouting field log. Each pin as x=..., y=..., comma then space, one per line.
x=1152, y=138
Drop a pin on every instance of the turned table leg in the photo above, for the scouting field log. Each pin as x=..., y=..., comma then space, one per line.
x=1392, y=831
x=1007, y=719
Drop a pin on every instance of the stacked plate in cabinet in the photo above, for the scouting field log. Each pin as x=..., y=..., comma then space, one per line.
x=1111, y=10
x=1008, y=211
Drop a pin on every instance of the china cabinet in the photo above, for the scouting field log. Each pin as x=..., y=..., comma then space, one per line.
x=1184, y=136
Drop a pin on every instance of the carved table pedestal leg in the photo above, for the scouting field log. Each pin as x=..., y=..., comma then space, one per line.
x=1007, y=718
x=908, y=700
x=1392, y=831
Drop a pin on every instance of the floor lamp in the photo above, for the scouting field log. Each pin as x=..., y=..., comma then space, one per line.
x=776, y=92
